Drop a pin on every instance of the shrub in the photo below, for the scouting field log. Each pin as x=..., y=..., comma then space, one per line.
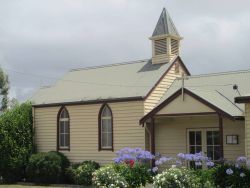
x=135, y=175
x=46, y=167
x=108, y=177
x=65, y=165
x=204, y=178
x=229, y=175
x=176, y=178
x=15, y=141
x=81, y=173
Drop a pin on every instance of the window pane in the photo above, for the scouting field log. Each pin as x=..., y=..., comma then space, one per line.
x=216, y=152
x=192, y=138
x=66, y=139
x=198, y=137
x=198, y=149
x=235, y=139
x=210, y=153
x=104, y=125
x=109, y=126
x=61, y=140
x=209, y=137
x=64, y=114
x=106, y=112
x=192, y=149
x=61, y=127
x=104, y=139
x=110, y=139
x=66, y=127
x=216, y=137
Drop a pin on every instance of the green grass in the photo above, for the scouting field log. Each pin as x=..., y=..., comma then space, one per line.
x=32, y=186
x=21, y=186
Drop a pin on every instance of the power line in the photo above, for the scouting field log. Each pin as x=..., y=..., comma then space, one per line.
x=108, y=84
x=74, y=81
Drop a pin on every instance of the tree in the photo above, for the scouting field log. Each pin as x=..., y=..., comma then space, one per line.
x=4, y=89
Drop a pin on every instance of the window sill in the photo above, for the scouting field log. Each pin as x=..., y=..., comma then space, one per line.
x=63, y=149
x=106, y=149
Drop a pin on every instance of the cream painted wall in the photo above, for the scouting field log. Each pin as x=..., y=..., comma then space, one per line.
x=84, y=130
x=189, y=105
x=247, y=127
x=171, y=134
x=153, y=99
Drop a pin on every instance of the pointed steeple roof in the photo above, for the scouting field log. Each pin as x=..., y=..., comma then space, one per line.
x=165, y=25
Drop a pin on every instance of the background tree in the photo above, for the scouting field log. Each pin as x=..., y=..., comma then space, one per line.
x=4, y=89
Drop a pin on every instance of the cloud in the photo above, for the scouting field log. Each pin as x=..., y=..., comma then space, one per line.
x=50, y=37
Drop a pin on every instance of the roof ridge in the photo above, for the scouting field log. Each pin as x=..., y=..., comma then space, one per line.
x=109, y=65
x=219, y=73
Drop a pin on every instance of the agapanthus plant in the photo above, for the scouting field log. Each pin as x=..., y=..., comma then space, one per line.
x=131, y=155
x=181, y=159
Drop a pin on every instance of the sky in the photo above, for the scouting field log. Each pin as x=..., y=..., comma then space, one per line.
x=40, y=40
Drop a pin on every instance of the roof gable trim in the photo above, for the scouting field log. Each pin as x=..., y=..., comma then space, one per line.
x=174, y=96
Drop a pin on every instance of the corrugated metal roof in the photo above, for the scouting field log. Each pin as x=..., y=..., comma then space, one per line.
x=165, y=25
x=114, y=81
x=216, y=89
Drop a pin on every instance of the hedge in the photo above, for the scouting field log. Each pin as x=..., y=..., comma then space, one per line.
x=15, y=141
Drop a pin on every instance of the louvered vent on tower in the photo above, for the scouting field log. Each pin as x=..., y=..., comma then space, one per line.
x=174, y=46
x=160, y=46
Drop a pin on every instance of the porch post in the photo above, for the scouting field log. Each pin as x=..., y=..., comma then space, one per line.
x=152, y=139
x=221, y=136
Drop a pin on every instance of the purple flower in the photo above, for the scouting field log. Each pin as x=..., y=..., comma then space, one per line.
x=210, y=164
x=181, y=156
x=135, y=154
x=198, y=163
x=241, y=159
x=229, y=171
x=178, y=162
x=162, y=160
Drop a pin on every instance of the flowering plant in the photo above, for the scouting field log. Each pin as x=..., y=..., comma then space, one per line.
x=133, y=154
x=108, y=177
x=176, y=177
x=232, y=174
x=181, y=159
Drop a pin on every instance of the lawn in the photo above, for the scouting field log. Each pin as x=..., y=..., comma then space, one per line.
x=31, y=186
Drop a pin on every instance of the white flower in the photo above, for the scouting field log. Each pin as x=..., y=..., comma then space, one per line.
x=242, y=175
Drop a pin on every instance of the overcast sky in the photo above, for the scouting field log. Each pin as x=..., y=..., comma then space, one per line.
x=46, y=38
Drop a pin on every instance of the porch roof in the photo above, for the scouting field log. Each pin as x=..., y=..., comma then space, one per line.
x=215, y=90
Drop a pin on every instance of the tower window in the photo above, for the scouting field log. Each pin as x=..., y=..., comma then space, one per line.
x=160, y=46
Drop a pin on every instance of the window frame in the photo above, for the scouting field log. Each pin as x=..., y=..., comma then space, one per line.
x=100, y=129
x=59, y=148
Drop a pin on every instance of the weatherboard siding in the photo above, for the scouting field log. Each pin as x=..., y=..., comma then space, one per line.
x=247, y=127
x=171, y=134
x=161, y=88
x=84, y=130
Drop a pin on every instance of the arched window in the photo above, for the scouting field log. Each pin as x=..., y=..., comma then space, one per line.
x=63, y=129
x=105, y=128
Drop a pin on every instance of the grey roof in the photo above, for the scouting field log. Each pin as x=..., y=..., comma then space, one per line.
x=216, y=89
x=165, y=25
x=133, y=79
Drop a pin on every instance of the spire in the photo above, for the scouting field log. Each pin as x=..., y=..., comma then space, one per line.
x=165, y=25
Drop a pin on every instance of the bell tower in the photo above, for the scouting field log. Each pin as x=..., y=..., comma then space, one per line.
x=165, y=40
